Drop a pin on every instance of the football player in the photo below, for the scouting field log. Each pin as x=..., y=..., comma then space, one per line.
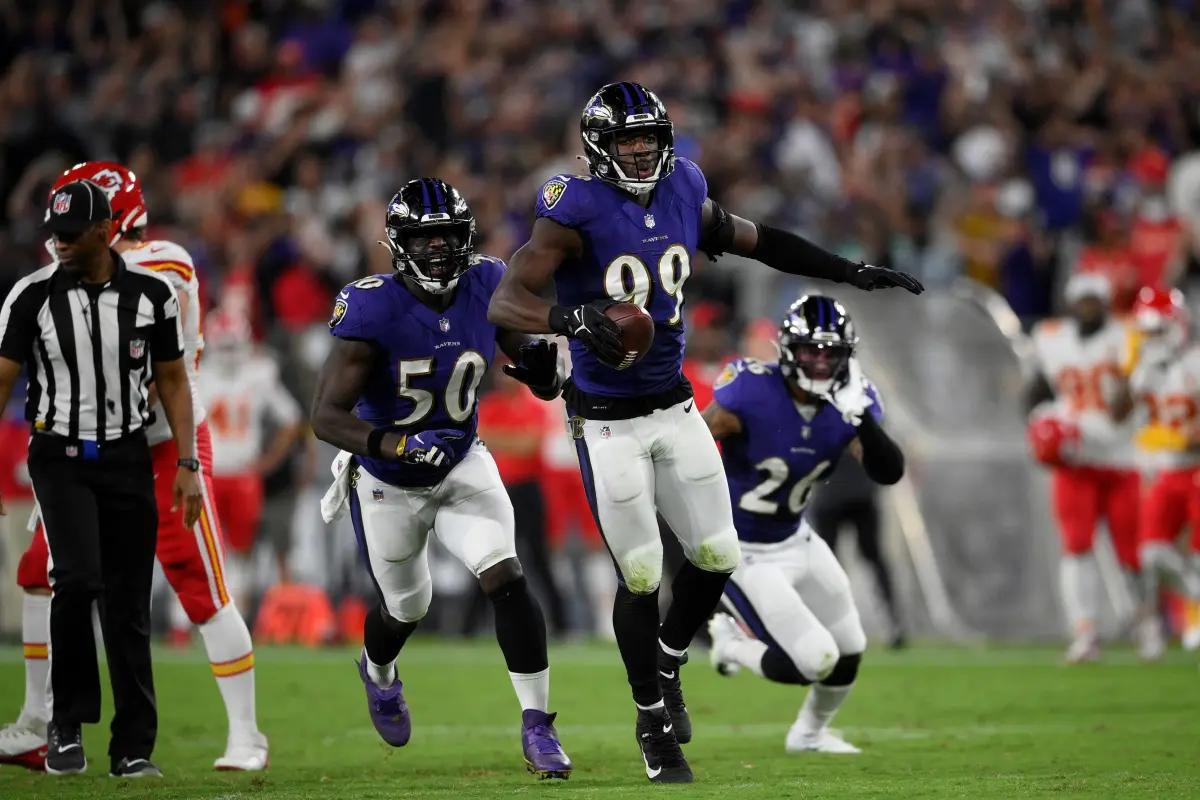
x=629, y=231
x=192, y=559
x=398, y=392
x=1166, y=384
x=1080, y=386
x=783, y=426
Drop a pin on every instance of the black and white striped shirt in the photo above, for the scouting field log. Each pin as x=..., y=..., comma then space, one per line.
x=89, y=348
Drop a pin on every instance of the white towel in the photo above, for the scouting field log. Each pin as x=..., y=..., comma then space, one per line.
x=35, y=517
x=337, y=498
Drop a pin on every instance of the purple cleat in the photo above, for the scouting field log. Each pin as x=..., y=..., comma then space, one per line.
x=388, y=710
x=544, y=756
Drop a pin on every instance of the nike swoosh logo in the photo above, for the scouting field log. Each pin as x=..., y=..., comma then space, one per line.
x=668, y=728
x=344, y=295
x=688, y=408
x=667, y=675
x=158, y=248
x=651, y=773
x=65, y=747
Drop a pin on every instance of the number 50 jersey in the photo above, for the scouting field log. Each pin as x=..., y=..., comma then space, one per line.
x=783, y=450
x=428, y=363
x=630, y=253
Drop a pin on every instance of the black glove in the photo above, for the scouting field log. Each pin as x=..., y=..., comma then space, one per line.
x=867, y=277
x=588, y=324
x=537, y=368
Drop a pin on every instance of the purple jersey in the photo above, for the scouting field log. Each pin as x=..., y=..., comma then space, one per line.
x=642, y=255
x=782, y=450
x=428, y=363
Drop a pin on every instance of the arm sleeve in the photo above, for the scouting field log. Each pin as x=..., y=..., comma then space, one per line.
x=18, y=324
x=166, y=342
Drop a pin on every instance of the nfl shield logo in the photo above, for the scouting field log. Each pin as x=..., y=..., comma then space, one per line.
x=62, y=203
x=377, y=495
x=444, y=324
x=649, y=220
x=806, y=432
x=72, y=451
x=137, y=348
x=605, y=432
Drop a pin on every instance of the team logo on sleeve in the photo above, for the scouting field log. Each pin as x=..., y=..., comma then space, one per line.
x=339, y=311
x=727, y=375
x=552, y=192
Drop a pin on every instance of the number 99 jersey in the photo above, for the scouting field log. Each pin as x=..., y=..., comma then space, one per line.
x=428, y=363
x=630, y=253
x=784, y=448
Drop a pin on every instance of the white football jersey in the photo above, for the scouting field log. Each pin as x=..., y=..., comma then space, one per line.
x=1086, y=375
x=239, y=400
x=174, y=263
x=1171, y=402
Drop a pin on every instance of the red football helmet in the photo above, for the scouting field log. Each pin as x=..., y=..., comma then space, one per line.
x=1054, y=441
x=1161, y=313
x=225, y=331
x=123, y=188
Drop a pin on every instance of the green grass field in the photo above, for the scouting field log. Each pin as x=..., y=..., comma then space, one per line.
x=933, y=722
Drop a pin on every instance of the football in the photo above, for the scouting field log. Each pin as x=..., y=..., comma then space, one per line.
x=637, y=331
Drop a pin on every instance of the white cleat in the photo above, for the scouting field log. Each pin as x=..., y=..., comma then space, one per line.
x=724, y=631
x=1083, y=650
x=1191, y=637
x=244, y=755
x=826, y=741
x=1148, y=636
x=23, y=743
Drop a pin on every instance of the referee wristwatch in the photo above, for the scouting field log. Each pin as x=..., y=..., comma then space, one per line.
x=189, y=463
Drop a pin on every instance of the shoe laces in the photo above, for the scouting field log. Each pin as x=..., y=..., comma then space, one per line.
x=544, y=739
x=390, y=705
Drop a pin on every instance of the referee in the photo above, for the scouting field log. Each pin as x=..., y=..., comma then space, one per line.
x=93, y=333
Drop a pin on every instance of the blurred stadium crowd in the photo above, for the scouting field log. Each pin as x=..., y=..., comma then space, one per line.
x=1008, y=142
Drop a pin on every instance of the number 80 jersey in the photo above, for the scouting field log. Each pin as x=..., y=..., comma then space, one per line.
x=783, y=450
x=630, y=253
x=428, y=363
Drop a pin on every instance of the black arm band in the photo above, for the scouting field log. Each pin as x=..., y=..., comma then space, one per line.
x=375, y=442
x=882, y=458
x=795, y=255
x=717, y=238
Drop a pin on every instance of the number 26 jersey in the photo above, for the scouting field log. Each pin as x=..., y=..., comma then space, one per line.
x=630, y=253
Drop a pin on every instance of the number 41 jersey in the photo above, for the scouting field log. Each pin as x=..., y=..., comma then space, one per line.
x=630, y=253
x=428, y=363
x=783, y=450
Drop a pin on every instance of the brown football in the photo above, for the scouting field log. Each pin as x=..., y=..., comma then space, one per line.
x=637, y=331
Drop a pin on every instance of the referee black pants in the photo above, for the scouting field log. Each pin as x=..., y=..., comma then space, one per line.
x=101, y=524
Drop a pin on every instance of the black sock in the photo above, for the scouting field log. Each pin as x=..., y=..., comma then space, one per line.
x=520, y=628
x=778, y=667
x=384, y=635
x=635, y=620
x=694, y=596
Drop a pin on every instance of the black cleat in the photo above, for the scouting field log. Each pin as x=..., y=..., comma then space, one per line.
x=668, y=681
x=660, y=748
x=134, y=768
x=64, y=750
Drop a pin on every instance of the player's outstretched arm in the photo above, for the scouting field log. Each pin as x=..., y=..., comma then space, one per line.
x=724, y=232
x=721, y=422
x=518, y=305
x=881, y=457
x=341, y=381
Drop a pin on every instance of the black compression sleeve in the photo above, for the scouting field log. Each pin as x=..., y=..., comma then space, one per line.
x=795, y=255
x=882, y=458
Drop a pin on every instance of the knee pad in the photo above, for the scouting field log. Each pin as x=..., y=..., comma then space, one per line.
x=849, y=634
x=815, y=654
x=717, y=553
x=409, y=604
x=641, y=567
x=845, y=671
x=777, y=666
